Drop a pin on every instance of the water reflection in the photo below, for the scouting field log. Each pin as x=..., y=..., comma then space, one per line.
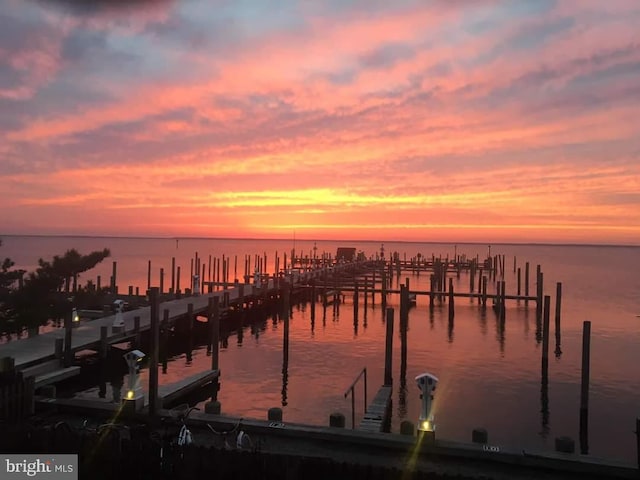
x=285, y=359
x=500, y=334
x=402, y=399
x=483, y=321
x=544, y=402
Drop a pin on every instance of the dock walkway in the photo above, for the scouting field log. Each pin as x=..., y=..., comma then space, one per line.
x=377, y=414
x=31, y=351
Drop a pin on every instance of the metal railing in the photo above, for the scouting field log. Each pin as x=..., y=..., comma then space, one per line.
x=363, y=373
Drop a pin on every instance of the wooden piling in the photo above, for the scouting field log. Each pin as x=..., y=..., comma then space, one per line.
x=154, y=302
x=484, y=291
x=148, y=274
x=558, y=350
x=584, y=388
x=526, y=283
x=451, y=304
x=178, y=280
x=104, y=344
x=173, y=275
x=163, y=349
x=68, y=327
x=545, y=335
x=539, y=293
x=355, y=303
x=366, y=293
x=519, y=281
x=114, y=283
x=431, y=290
x=373, y=289
x=472, y=277
x=161, y=281
x=190, y=319
x=214, y=320
x=59, y=350
x=388, y=351
x=136, y=331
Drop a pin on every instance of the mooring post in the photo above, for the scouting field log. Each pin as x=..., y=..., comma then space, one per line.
x=355, y=303
x=136, y=331
x=451, y=304
x=114, y=283
x=148, y=275
x=526, y=283
x=104, y=344
x=373, y=288
x=366, y=293
x=161, y=281
x=503, y=302
x=163, y=349
x=545, y=335
x=173, y=275
x=59, y=350
x=558, y=350
x=519, y=283
x=178, y=282
x=484, y=290
x=539, y=293
x=388, y=351
x=68, y=327
x=214, y=319
x=154, y=302
x=584, y=388
x=190, y=319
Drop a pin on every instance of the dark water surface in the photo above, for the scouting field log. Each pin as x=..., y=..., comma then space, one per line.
x=488, y=378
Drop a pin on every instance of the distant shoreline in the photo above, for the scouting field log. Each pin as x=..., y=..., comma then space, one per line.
x=427, y=242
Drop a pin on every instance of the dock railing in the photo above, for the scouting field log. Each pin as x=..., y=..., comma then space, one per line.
x=362, y=374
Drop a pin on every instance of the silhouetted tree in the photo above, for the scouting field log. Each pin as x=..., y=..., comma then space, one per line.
x=39, y=300
x=8, y=280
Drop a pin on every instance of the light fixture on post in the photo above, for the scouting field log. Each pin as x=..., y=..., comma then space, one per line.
x=118, y=322
x=427, y=384
x=196, y=285
x=133, y=398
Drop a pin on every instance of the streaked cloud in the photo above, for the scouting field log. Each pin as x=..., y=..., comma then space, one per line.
x=484, y=120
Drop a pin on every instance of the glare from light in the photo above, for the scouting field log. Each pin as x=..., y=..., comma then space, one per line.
x=426, y=426
x=130, y=395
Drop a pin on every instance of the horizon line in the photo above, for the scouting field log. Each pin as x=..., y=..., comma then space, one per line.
x=430, y=242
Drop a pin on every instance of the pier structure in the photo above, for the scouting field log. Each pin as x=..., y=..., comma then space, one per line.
x=322, y=278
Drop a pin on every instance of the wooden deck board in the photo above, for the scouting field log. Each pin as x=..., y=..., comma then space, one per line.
x=377, y=411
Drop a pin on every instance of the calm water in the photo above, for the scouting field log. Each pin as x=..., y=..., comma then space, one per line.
x=487, y=378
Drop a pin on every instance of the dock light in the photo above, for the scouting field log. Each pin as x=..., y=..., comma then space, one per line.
x=119, y=305
x=134, y=398
x=74, y=316
x=196, y=285
x=427, y=384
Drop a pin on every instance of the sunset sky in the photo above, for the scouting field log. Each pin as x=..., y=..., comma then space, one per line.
x=441, y=120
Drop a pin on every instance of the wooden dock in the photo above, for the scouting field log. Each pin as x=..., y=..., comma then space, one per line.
x=378, y=412
x=86, y=335
x=172, y=392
